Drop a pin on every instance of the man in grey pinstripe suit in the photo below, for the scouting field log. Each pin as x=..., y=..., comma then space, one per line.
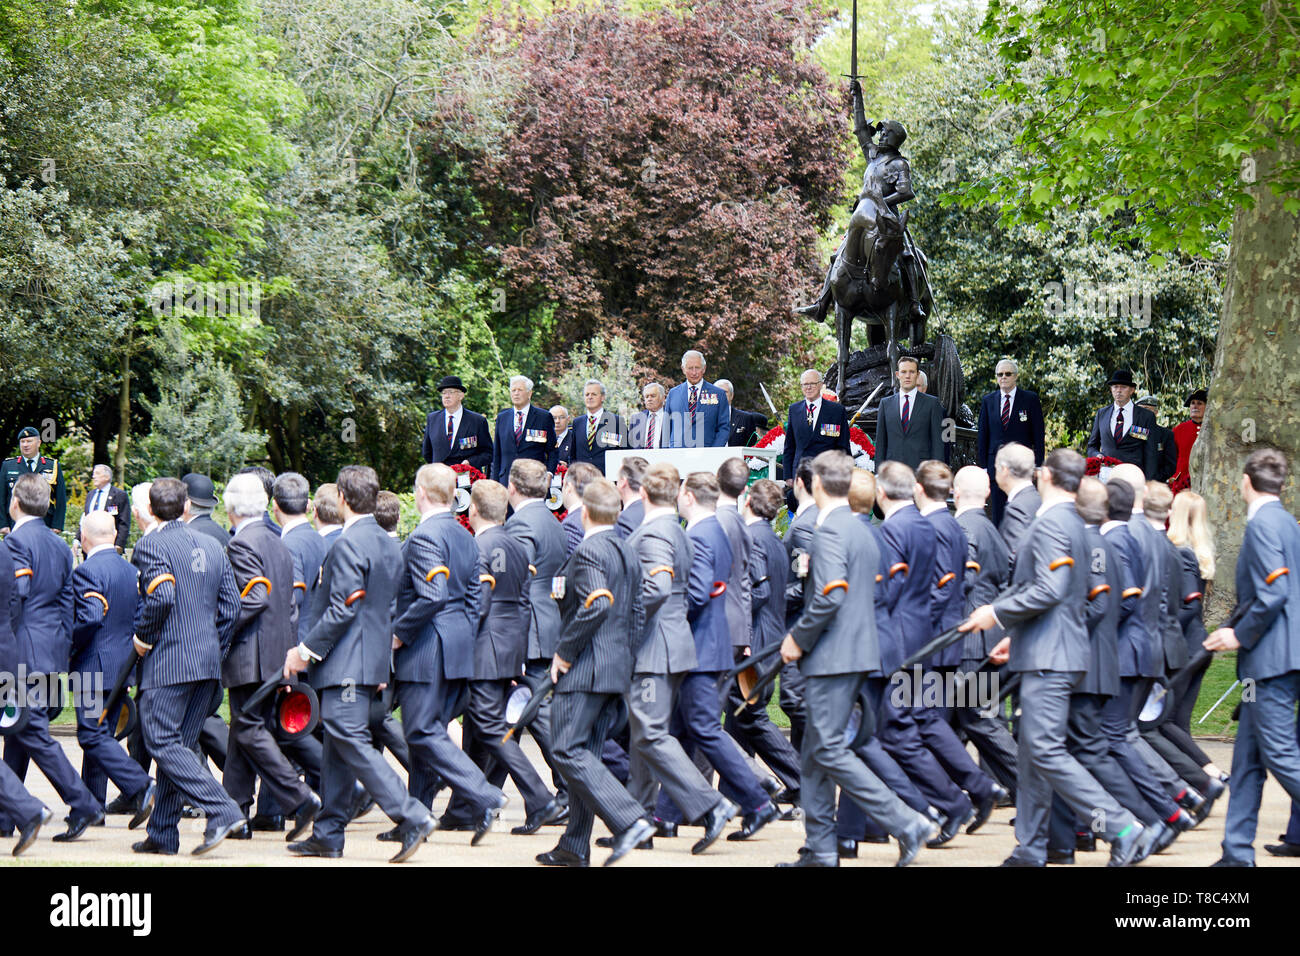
x=598, y=590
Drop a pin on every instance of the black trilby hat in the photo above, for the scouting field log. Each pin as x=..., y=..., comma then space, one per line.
x=1199, y=395
x=1122, y=377
x=451, y=381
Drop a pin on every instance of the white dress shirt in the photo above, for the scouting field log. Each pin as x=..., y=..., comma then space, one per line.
x=1128, y=417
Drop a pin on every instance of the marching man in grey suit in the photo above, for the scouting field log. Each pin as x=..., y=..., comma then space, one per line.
x=1014, y=469
x=1047, y=644
x=835, y=642
x=665, y=654
x=909, y=424
x=599, y=593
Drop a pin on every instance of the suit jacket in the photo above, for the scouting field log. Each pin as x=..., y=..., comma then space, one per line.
x=268, y=616
x=1017, y=517
x=543, y=541
x=947, y=597
x=1270, y=631
x=503, y=611
x=1138, y=446
x=629, y=519
x=41, y=606
x=1025, y=427
x=923, y=440
x=1166, y=452
x=537, y=442
x=101, y=636
x=189, y=620
x=770, y=570
x=561, y=444
x=1045, y=613
x=1154, y=604
x=434, y=604
x=204, y=524
x=471, y=445
x=354, y=641
x=712, y=417
x=118, y=504
x=308, y=549
x=797, y=541
x=1175, y=647
x=1139, y=652
x=910, y=541
x=665, y=645
x=573, y=530
x=599, y=633
x=829, y=432
x=991, y=571
x=739, y=599
x=746, y=428
x=710, y=564
x=1191, y=610
x=1105, y=590
x=837, y=629
x=638, y=425
x=610, y=433
x=8, y=643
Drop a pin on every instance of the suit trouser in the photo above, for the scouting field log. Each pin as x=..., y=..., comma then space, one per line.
x=1046, y=766
x=103, y=758
x=790, y=699
x=900, y=735
x=1175, y=758
x=536, y=672
x=851, y=822
x=252, y=752
x=756, y=734
x=424, y=707
x=657, y=756
x=1292, y=834
x=1178, y=728
x=34, y=744
x=305, y=754
x=936, y=725
x=1119, y=723
x=989, y=734
x=581, y=721
x=828, y=762
x=696, y=723
x=172, y=717
x=486, y=726
x=1266, y=743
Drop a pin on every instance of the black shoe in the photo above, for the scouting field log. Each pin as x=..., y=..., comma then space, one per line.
x=558, y=857
x=1126, y=846
x=771, y=786
x=665, y=828
x=485, y=820
x=984, y=809
x=951, y=828
x=847, y=849
x=27, y=831
x=911, y=842
x=789, y=796
x=144, y=803
x=1226, y=862
x=714, y=822
x=751, y=823
x=214, y=835
x=1213, y=791
x=1156, y=835
x=78, y=826
x=121, y=804
x=1063, y=857
x=412, y=837
x=809, y=859
x=1014, y=860
x=303, y=817
x=267, y=823
x=881, y=839
x=148, y=846
x=535, y=821
x=313, y=847
x=606, y=843
x=1282, y=849
x=1085, y=842
x=626, y=841
x=362, y=803
x=390, y=836
x=243, y=833
x=1193, y=802
x=454, y=824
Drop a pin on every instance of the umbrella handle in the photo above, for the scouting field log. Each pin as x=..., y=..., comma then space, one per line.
x=118, y=686
x=261, y=694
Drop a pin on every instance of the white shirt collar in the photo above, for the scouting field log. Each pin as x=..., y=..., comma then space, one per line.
x=1005, y=395
x=595, y=530
x=962, y=510
x=23, y=520
x=692, y=522
x=514, y=412
x=100, y=547
x=292, y=522
x=816, y=404
x=244, y=524
x=324, y=529
x=1044, y=508
x=658, y=511
x=528, y=501
x=1015, y=491
x=909, y=394
x=822, y=515
x=354, y=519
x=810, y=503
x=934, y=506
x=429, y=514
x=1110, y=526
x=1256, y=505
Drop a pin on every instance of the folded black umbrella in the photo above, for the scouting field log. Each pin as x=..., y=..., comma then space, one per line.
x=541, y=691
x=756, y=685
x=119, y=686
x=259, y=695
x=938, y=643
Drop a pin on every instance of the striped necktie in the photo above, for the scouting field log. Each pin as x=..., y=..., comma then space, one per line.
x=519, y=426
x=1119, y=426
x=1006, y=410
x=650, y=432
x=906, y=415
x=591, y=433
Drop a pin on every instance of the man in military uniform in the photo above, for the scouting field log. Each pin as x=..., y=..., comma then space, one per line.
x=30, y=459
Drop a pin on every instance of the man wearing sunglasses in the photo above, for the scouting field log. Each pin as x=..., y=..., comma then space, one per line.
x=1008, y=414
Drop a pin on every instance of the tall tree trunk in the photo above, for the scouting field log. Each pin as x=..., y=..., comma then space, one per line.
x=1255, y=389
x=123, y=416
x=293, y=438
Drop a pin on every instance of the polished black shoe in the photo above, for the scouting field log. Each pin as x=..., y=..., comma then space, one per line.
x=1224, y=861
x=788, y=796
x=606, y=843
x=1151, y=840
x=27, y=831
x=771, y=786
x=847, y=849
x=751, y=823
x=811, y=859
x=267, y=823
x=362, y=803
x=1214, y=790
x=1125, y=847
x=1014, y=860
x=243, y=833
x=984, y=809
x=412, y=837
x=1193, y=802
x=1085, y=842
x=558, y=857
x=911, y=842
x=951, y=828
x=485, y=820
x=313, y=847
x=148, y=846
x=563, y=818
x=626, y=841
x=78, y=826
x=215, y=834
x=144, y=803
x=1063, y=857
x=1282, y=849
x=120, y=804
x=454, y=824
x=714, y=822
x=535, y=821
x=877, y=839
x=304, y=817
x=390, y=836
x=665, y=828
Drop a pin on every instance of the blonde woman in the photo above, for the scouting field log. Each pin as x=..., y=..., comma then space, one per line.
x=1190, y=533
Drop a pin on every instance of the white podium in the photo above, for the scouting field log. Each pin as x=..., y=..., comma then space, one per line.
x=687, y=460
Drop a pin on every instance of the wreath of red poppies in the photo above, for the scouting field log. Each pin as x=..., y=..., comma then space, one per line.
x=474, y=475
x=1094, y=465
x=856, y=437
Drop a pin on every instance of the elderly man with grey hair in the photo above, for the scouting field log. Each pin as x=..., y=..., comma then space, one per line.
x=1013, y=470
x=648, y=428
x=1007, y=414
x=102, y=496
x=597, y=431
x=522, y=431
x=746, y=427
x=699, y=413
x=562, y=417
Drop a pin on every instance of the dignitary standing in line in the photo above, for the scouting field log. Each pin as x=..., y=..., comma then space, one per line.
x=1009, y=414
x=1123, y=430
x=102, y=496
x=746, y=427
x=289, y=498
x=596, y=431
x=649, y=428
x=456, y=435
x=813, y=425
x=560, y=415
x=910, y=423
x=1185, y=432
x=699, y=415
x=522, y=431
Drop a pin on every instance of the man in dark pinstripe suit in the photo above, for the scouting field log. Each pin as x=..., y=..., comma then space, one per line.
x=598, y=590
x=189, y=604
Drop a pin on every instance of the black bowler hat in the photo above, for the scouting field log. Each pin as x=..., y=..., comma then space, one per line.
x=200, y=490
x=1122, y=377
x=28, y=432
x=1197, y=396
x=451, y=381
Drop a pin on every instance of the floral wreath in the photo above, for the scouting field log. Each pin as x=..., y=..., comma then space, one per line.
x=472, y=475
x=560, y=471
x=1096, y=463
x=860, y=447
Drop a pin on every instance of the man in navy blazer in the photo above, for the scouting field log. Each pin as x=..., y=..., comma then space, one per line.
x=1009, y=414
x=1123, y=430
x=596, y=431
x=1267, y=641
x=289, y=500
x=699, y=415
x=522, y=431
x=456, y=435
x=813, y=425
x=909, y=423
x=41, y=611
x=104, y=497
x=16, y=803
x=104, y=599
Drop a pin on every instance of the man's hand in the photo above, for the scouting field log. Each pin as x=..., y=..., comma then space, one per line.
x=293, y=663
x=397, y=642
x=140, y=649
x=559, y=666
x=1224, y=639
x=981, y=619
x=790, y=651
x=1002, y=652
